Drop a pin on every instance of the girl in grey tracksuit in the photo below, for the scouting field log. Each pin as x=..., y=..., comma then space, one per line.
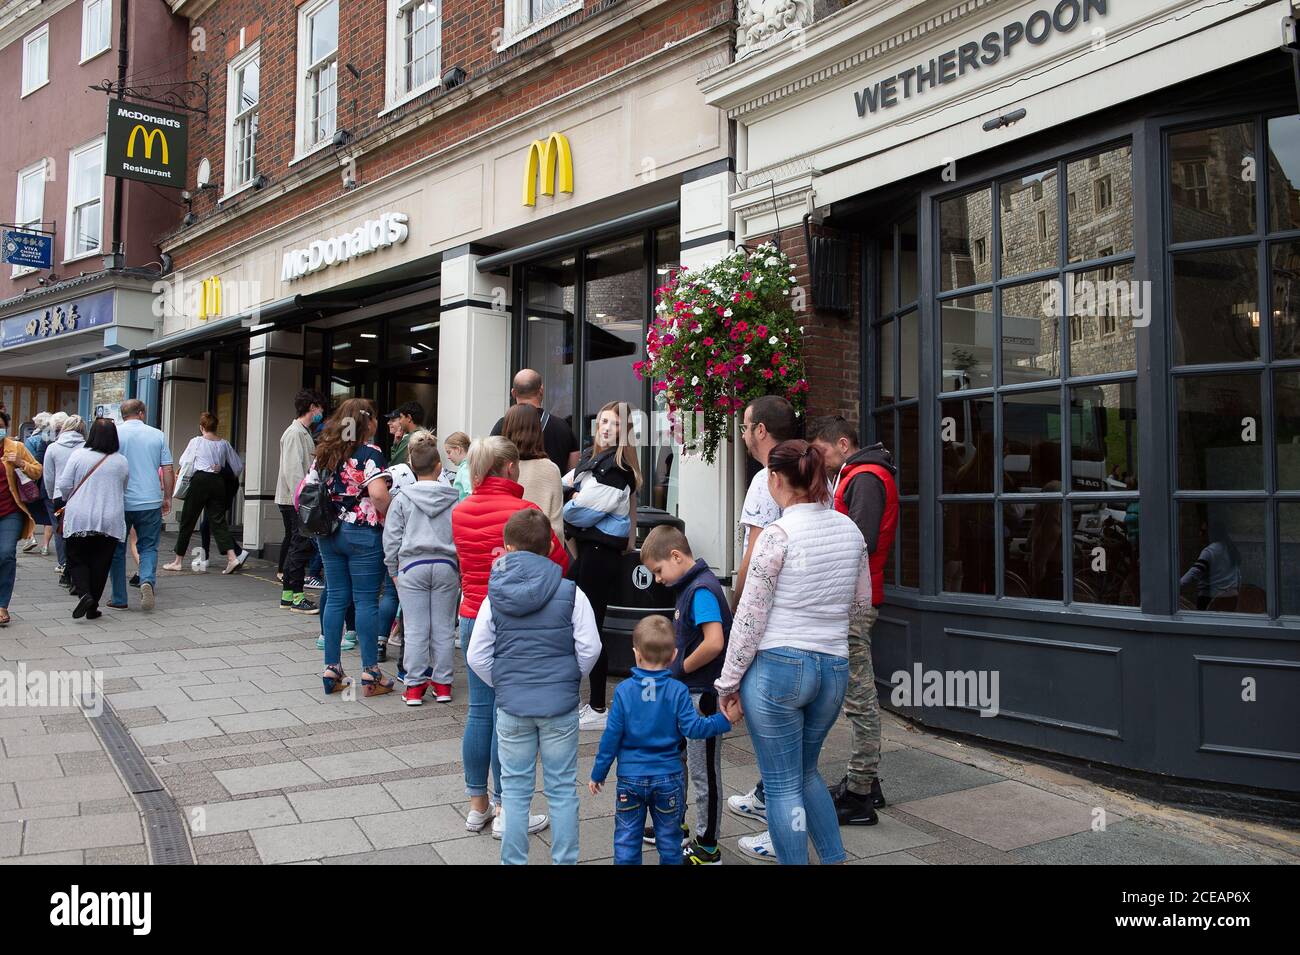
x=421, y=558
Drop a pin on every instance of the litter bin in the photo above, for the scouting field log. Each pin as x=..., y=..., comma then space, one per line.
x=637, y=595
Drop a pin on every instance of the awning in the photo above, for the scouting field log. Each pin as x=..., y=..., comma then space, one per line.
x=655, y=215
x=118, y=361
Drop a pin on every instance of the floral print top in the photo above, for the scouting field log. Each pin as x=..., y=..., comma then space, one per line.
x=348, y=488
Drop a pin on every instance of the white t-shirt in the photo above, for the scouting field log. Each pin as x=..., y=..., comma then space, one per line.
x=759, y=509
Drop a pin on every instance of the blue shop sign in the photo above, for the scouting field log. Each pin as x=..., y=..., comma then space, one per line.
x=29, y=249
x=75, y=316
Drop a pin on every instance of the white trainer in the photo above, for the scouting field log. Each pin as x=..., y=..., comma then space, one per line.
x=536, y=822
x=589, y=719
x=758, y=847
x=748, y=805
x=476, y=820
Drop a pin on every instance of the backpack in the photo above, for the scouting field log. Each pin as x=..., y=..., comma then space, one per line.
x=317, y=514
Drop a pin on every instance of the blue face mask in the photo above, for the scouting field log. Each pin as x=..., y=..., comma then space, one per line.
x=316, y=418
x=4, y=433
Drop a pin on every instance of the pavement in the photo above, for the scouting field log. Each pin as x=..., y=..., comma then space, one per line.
x=220, y=691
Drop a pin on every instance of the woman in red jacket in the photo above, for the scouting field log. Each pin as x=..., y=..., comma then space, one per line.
x=477, y=524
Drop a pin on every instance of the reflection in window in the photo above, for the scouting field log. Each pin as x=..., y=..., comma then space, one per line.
x=1031, y=538
x=615, y=295
x=1216, y=308
x=1286, y=300
x=967, y=335
x=1221, y=557
x=1030, y=230
x=909, y=330
x=1031, y=441
x=907, y=261
x=1106, y=554
x=962, y=222
x=1286, y=402
x=1209, y=196
x=909, y=545
x=885, y=431
x=1288, y=519
x=549, y=331
x=1103, y=437
x=887, y=302
x=665, y=454
x=968, y=555
x=966, y=430
x=907, y=451
x=885, y=362
x=1284, y=173
x=1220, y=438
x=1104, y=303
x=1031, y=336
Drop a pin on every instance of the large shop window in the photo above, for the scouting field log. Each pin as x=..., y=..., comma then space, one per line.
x=1234, y=257
x=611, y=286
x=896, y=330
x=1037, y=411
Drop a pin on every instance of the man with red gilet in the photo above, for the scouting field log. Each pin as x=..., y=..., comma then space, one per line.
x=863, y=488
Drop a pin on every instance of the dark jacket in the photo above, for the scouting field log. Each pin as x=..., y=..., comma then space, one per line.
x=865, y=495
x=650, y=714
x=599, y=515
x=535, y=665
x=690, y=634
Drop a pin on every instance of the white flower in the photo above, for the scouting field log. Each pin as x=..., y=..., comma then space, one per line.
x=792, y=280
x=758, y=279
x=726, y=313
x=695, y=380
x=772, y=340
x=746, y=359
x=771, y=260
x=785, y=291
x=697, y=310
x=800, y=329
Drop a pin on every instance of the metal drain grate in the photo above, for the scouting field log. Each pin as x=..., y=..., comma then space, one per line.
x=164, y=826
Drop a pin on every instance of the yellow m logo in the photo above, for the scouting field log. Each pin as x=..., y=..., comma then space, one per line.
x=543, y=158
x=148, y=135
x=210, y=298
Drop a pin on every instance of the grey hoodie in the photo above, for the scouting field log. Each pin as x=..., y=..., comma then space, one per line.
x=418, y=525
x=56, y=456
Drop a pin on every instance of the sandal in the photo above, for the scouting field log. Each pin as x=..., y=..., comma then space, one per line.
x=4, y=618
x=334, y=679
x=376, y=685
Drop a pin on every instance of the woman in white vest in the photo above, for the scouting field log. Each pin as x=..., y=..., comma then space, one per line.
x=787, y=663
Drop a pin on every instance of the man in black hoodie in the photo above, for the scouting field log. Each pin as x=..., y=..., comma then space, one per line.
x=864, y=488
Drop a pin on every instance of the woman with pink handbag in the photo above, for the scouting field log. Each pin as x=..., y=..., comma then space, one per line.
x=16, y=522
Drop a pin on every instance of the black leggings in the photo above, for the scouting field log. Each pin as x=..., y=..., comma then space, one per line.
x=90, y=557
x=595, y=571
x=207, y=495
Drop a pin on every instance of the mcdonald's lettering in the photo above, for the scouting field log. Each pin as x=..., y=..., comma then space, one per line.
x=545, y=159
x=148, y=135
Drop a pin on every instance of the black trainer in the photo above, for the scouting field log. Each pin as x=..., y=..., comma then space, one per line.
x=134, y=581
x=877, y=796
x=855, y=810
x=648, y=835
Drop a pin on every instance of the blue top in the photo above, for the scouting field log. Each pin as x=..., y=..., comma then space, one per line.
x=700, y=600
x=145, y=450
x=650, y=714
x=705, y=608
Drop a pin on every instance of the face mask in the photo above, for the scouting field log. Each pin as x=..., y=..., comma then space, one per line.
x=316, y=418
x=3, y=433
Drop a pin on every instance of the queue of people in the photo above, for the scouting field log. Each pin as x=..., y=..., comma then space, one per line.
x=508, y=546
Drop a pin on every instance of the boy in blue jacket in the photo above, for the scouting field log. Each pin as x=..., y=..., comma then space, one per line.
x=650, y=714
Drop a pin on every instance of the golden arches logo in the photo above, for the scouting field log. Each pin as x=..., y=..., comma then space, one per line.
x=545, y=159
x=148, y=135
x=210, y=298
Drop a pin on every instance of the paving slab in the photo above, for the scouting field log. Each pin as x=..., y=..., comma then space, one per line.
x=427, y=791
x=309, y=840
x=406, y=855
x=239, y=815
x=255, y=779
x=437, y=752
x=70, y=789
x=365, y=762
x=411, y=826
x=176, y=732
x=22, y=768
x=1128, y=842
x=83, y=832
x=340, y=802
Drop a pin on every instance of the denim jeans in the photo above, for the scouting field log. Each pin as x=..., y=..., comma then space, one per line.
x=354, y=569
x=148, y=530
x=478, y=748
x=11, y=526
x=521, y=741
x=59, y=552
x=388, y=604
x=663, y=797
x=791, y=699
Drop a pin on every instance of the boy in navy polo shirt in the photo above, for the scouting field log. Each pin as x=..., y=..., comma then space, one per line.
x=702, y=626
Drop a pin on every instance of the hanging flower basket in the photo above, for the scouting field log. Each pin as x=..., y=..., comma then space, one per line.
x=721, y=337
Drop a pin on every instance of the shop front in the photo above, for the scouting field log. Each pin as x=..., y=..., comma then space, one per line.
x=1077, y=332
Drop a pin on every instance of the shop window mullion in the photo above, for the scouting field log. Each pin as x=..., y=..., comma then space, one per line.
x=928, y=515
x=580, y=345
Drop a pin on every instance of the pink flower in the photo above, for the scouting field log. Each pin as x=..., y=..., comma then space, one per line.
x=749, y=295
x=783, y=371
x=767, y=372
x=761, y=331
x=745, y=276
x=708, y=340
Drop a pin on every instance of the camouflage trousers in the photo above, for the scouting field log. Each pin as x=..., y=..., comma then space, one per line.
x=862, y=706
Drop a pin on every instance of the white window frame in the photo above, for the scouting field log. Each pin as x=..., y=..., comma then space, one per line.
x=38, y=170
x=88, y=50
x=42, y=33
x=68, y=245
x=304, y=148
x=396, y=67
x=511, y=34
x=252, y=52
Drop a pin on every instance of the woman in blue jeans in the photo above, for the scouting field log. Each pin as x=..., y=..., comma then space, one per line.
x=787, y=664
x=15, y=521
x=353, y=555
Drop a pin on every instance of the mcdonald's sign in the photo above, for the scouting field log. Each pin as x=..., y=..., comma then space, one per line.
x=546, y=160
x=146, y=143
x=210, y=298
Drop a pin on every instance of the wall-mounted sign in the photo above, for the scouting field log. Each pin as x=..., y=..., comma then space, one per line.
x=948, y=67
x=92, y=311
x=29, y=249
x=210, y=298
x=546, y=159
x=146, y=143
x=371, y=235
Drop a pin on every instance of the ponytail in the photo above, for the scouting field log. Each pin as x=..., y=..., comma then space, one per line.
x=803, y=467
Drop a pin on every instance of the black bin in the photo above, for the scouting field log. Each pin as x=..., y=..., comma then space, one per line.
x=636, y=595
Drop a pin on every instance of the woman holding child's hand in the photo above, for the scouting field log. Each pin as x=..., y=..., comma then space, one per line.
x=788, y=659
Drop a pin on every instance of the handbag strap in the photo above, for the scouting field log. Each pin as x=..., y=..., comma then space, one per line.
x=85, y=479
